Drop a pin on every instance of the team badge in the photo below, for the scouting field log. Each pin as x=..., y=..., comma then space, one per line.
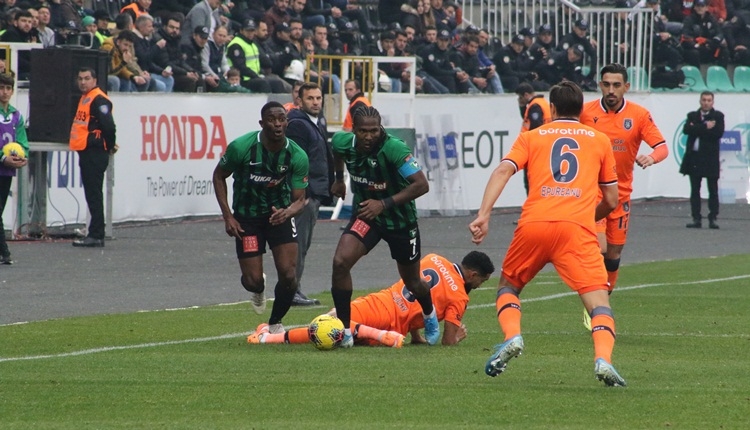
x=104, y=109
x=566, y=46
x=373, y=162
x=628, y=124
x=506, y=59
x=431, y=57
x=283, y=169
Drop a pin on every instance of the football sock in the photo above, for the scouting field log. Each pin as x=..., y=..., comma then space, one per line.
x=508, y=313
x=613, y=268
x=282, y=302
x=297, y=335
x=366, y=332
x=612, y=279
x=603, y=334
x=426, y=303
x=342, y=300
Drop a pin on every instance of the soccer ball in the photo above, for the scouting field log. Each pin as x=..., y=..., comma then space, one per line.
x=326, y=332
x=14, y=148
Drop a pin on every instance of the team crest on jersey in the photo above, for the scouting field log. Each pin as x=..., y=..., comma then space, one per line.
x=373, y=162
x=413, y=233
x=628, y=124
x=283, y=169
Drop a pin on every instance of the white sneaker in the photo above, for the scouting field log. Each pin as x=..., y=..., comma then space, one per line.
x=258, y=300
x=276, y=328
x=347, y=341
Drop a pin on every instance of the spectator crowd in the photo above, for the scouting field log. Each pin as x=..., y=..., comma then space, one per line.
x=261, y=46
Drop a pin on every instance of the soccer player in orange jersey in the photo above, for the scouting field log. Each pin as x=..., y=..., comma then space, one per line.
x=569, y=164
x=386, y=316
x=626, y=124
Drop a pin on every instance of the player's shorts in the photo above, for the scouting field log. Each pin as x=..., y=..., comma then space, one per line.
x=405, y=245
x=258, y=231
x=571, y=248
x=616, y=224
x=370, y=311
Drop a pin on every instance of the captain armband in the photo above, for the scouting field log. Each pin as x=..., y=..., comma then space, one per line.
x=388, y=202
x=339, y=175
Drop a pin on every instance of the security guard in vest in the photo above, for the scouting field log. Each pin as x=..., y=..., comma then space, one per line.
x=353, y=91
x=137, y=8
x=535, y=112
x=243, y=54
x=93, y=137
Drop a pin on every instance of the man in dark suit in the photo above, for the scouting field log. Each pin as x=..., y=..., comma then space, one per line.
x=307, y=128
x=704, y=129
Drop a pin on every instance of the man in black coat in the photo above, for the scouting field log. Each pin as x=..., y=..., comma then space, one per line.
x=307, y=128
x=704, y=129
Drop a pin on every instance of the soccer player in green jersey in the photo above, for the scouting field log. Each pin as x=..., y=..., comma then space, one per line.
x=270, y=177
x=385, y=180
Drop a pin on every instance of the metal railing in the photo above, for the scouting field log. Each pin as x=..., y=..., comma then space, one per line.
x=622, y=36
x=365, y=70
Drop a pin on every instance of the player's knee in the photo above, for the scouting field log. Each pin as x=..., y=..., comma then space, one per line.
x=340, y=265
x=602, y=310
x=612, y=264
x=252, y=283
x=288, y=278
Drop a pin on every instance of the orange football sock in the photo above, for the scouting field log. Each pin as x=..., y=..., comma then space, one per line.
x=298, y=335
x=509, y=314
x=273, y=338
x=603, y=334
x=366, y=332
x=612, y=279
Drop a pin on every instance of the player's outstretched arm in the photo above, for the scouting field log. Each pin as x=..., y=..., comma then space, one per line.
x=499, y=178
x=452, y=334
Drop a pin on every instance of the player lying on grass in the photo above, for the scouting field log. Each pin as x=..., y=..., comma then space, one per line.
x=386, y=316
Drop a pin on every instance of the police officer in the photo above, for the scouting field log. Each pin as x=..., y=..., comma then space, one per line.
x=514, y=65
x=93, y=137
x=702, y=38
x=280, y=49
x=543, y=46
x=562, y=65
x=579, y=37
x=437, y=64
x=243, y=54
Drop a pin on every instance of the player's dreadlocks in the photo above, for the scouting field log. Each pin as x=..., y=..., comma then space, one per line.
x=365, y=112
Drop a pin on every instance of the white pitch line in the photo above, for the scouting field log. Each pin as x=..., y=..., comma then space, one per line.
x=618, y=289
x=121, y=348
x=486, y=305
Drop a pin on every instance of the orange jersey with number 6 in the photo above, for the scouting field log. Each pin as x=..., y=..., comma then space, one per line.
x=566, y=163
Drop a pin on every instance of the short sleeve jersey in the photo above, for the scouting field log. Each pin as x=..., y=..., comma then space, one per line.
x=566, y=162
x=378, y=175
x=626, y=129
x=447, y=289
x=263, y=179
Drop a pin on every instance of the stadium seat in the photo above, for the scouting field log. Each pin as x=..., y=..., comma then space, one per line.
x=717, y=79
x=742, y=78
x=638, y=78
x=693, y=79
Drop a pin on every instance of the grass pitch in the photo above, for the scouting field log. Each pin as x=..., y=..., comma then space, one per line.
x=682, y=346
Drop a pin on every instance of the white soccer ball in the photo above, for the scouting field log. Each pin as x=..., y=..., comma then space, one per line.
x=326, y=332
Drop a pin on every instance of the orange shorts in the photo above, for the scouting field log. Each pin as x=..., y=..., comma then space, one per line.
x=372, y=312
x=571, y=248
x=616, y=224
